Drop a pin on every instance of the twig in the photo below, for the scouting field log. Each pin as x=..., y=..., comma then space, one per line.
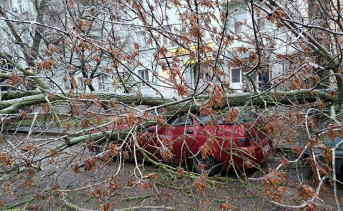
x=146, y=207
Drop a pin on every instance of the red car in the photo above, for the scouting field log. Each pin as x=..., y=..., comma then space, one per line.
x=207, y=144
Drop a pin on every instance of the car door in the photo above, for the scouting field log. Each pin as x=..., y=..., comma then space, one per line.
x=182, y=133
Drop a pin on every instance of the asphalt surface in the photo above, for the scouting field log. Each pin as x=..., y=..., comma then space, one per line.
x=39, y=130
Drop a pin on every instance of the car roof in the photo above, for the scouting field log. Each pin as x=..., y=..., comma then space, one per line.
x=332, y=143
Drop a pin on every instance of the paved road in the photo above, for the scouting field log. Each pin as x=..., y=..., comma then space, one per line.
x=40, y=130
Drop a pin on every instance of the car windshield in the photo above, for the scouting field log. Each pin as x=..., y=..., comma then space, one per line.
x=245, y=116
x=180, y=120
x=217, y=119
x=205, y=119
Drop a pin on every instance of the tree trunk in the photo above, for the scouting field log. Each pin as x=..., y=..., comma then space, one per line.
x=172, y=106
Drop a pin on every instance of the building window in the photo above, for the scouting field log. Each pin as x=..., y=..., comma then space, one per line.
x=124, y=76
x=240, y=20
x=13, y=8
x=261, y=21
x=4, y=64
x=66, y=83
x=184, y=31
x=263, y=79
x=189, y=76
x=144, y=74
x=285, y=67
x=7, y=4
x=236, y=75
x=165, y=38
x=81, y=83
x=102, y=79
x=207, y=75
x=21, y=8
x=193, y=73
x=141, y=39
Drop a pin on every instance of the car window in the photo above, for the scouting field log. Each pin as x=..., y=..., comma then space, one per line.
x=179, y=121
x=247, y=116
x=205, y=119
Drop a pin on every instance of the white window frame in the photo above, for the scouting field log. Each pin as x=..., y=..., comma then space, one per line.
x=66, y=84
x=240, y=75
x=285, y=67
x=239, y=22
x=21, y=7
x=184, y=31
x=194, y=71
x=262, y=21
x=102, y=82
x=189, y=77
x=144, y=74
x=81, y=82
x=165, y=39
x=141, y=39
x=207, y=74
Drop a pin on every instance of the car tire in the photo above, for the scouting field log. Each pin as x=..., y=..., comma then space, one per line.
x=211, y=165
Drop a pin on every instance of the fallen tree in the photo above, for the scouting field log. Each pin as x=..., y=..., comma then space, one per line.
x=58, y=62
x=13, y=100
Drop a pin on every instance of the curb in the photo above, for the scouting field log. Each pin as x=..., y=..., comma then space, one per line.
x=38, y=130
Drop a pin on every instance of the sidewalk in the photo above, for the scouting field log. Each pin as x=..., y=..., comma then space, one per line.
x=40, y=130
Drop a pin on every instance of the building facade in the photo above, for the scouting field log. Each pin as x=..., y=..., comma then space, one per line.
x=166, y=49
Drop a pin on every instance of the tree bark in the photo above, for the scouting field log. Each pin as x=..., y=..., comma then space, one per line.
x=181, y=106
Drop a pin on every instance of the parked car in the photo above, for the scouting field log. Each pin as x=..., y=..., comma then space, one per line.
x=338, y=153
x=321, y=129
x=329, y=143
x=208, y=143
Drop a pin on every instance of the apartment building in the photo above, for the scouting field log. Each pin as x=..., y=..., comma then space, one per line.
x=273, y=43
x=168, y=51
x=71, y=69
x=174, y=50
x=234, y=58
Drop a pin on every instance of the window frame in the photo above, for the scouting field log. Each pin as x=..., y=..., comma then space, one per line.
x=81, y=83
x=142, y=39
x=144, y=74
x=66, y=84
x=102, y=82
x=239, y=22
x=165, y=39
x=184, y=31
x=165, y=1
x=285, y=67
x=240, y=75
x=261, y=21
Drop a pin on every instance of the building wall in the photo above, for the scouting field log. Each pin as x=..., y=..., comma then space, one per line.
x=149, y=67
